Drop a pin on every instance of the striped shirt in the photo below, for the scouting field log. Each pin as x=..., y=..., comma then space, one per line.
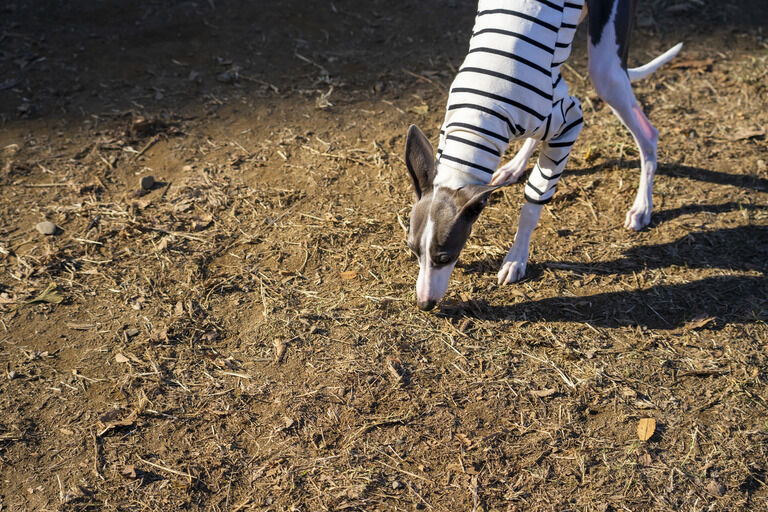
x=510, y=87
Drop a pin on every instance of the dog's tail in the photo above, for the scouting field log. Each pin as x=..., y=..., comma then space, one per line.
x=641, y=72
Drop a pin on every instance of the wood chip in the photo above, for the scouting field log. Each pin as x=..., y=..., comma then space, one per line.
x=747, y=133
x=129, y=471
x=699, y=322
x=280, y=347
x=120, y=358
x=698, y=64
x=396, y=370
x=543, y=393
x=716, y=488
x=349, y=274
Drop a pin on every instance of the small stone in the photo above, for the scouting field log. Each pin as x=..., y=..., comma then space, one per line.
x=131, y=332
x=12, y=375
x=147, y=182
x=46, y=228
x=396, y=485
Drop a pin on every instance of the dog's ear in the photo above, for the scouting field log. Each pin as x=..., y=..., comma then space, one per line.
x=420, y=160
x=475, y=197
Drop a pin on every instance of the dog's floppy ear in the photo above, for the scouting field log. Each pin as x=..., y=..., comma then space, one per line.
x=420, y=160
x=476, y=199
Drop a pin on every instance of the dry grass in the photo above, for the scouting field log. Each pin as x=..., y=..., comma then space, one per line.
x=243, y=335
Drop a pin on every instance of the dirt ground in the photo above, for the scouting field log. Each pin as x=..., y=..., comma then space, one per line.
x=243, y=334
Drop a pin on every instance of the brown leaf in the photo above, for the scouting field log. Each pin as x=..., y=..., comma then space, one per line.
x=348, y=274
x=644, y=459
x=645, y=428
x=543, y=393
x=51, y=295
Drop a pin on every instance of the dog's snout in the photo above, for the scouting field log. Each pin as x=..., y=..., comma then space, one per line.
x=426, y=305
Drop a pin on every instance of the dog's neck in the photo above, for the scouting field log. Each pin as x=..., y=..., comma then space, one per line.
x=452, y=178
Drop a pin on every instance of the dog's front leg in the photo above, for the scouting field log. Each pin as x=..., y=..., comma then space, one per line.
x=511, y=171
x=513, y=267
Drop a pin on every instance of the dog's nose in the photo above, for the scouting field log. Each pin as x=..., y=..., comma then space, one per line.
x=426, y=305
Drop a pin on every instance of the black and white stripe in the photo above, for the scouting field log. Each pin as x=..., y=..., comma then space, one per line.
x=510, y=86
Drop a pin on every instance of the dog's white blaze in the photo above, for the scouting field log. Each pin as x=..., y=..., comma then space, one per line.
x=432, y=282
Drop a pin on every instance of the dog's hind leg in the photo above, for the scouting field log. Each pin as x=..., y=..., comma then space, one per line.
x=609, y=29
x=511, y=171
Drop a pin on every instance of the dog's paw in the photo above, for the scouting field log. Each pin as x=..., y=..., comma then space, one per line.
x=638, y=217
x=512, y=269
x=510, y=172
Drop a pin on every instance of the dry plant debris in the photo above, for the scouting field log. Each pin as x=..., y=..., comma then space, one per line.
x=242, y=334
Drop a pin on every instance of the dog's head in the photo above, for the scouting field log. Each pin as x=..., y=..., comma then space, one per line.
x=441, y=219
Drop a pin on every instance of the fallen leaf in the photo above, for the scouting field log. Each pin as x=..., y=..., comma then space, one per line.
x=120, y=358
x=543, y=393
x=348, y=274
x=644, y=459
x=51, y=295
x=645, y=428
x=420, y=109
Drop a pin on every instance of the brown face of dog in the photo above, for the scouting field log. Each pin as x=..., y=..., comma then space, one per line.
x=441, y=220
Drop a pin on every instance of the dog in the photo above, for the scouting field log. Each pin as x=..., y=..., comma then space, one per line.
x=510, y=87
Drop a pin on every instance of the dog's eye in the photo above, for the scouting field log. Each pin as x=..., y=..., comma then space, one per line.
x=443, y=258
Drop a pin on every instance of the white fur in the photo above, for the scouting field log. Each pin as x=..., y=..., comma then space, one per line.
x=648, y=69
x=432, y=282
x=511, y=171
x=613, y=86
x=513, y=267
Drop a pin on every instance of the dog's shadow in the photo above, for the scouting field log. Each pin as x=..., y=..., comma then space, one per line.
x=727, y=297
x=679, y=171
